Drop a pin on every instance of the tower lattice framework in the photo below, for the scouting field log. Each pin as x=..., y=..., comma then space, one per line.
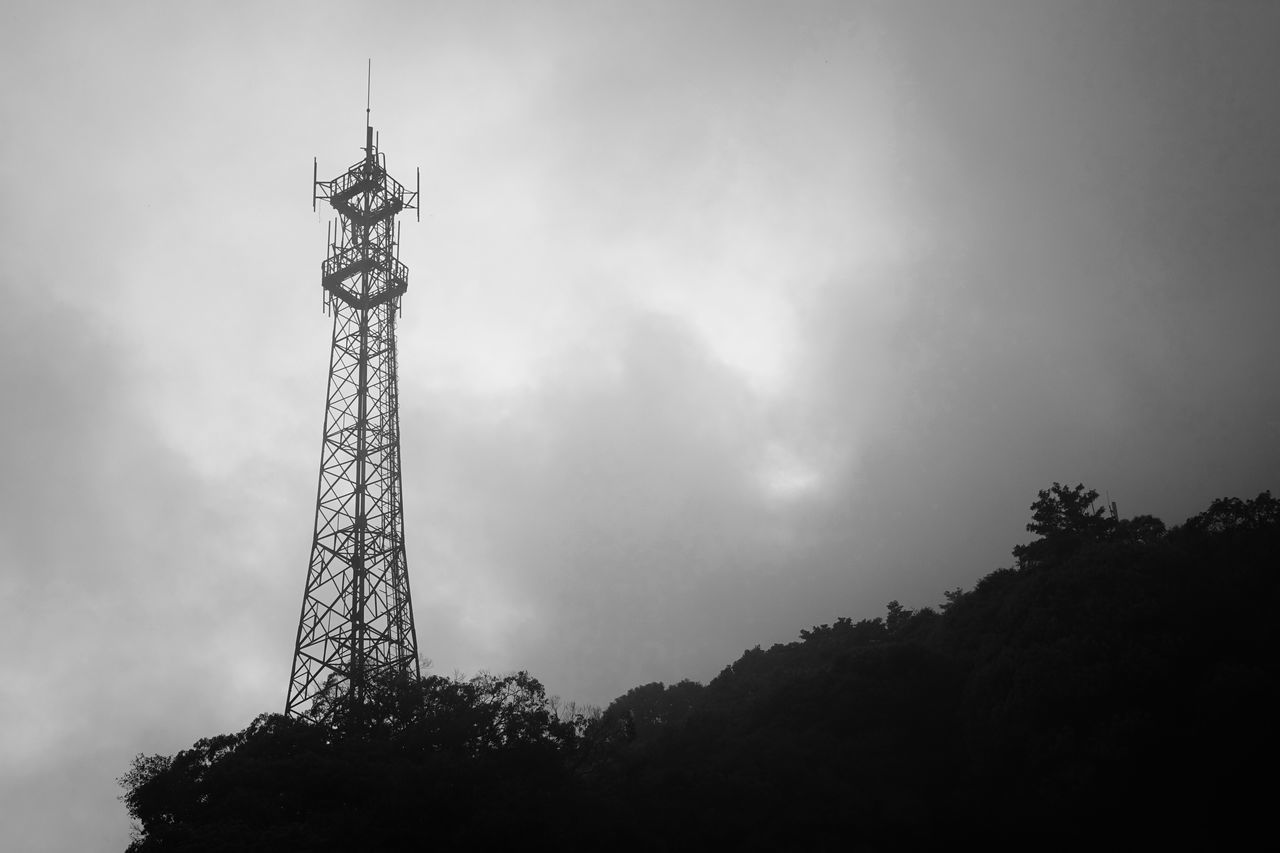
x=357, y=617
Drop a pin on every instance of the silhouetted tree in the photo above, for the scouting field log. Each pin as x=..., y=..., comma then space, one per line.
x=1226, y=515
x=1139, y=530
x=1064, y=518
x=1060, y=510
x=896, y=617
x=951, y=597
x=481, y=759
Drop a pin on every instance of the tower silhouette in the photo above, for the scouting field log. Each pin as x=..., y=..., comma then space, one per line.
x=357, y=617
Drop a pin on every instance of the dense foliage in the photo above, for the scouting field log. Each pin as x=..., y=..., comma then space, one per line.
x=1116, y=688
x=463, y=763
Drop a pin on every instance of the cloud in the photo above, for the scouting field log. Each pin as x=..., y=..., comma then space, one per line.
x=600, y=525
x=131, y=585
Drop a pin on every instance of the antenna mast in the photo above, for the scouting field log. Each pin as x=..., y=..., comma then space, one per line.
x=357, y=618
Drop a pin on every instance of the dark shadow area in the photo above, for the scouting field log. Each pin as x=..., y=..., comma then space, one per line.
x=1116, y=688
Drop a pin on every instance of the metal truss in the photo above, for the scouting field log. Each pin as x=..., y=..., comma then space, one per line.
x=357, y=617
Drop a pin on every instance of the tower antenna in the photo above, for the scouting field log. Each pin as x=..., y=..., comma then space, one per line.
x=368, y=92
x=356, y=626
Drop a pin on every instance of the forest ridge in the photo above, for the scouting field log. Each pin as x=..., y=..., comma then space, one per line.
x=1116, y=686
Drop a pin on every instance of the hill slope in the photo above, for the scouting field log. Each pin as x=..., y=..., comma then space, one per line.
x=1118, y=687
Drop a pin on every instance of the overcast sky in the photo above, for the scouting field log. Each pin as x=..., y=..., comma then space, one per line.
x=724, y=320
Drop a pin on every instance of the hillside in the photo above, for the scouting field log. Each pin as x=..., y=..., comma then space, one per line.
x=1117, y=686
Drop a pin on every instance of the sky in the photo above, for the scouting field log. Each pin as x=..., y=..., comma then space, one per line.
x=725, y=319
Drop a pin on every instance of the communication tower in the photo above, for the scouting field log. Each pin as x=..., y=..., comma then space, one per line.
x=357, y=618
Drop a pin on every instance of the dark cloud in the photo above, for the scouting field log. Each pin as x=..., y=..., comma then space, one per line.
x=616, y=523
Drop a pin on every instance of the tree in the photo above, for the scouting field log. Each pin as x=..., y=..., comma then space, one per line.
x=896, y=616
x=1139, y=530
x=1226, y=515
x=1064, y=518
x=1059, y=510
x=953, y=597
x=650, y=707
x=482, y=758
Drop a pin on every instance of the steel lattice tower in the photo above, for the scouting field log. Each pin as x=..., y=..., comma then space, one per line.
x=357, y=618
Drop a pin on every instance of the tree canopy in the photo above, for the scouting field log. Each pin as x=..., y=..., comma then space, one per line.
x=452, y=760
